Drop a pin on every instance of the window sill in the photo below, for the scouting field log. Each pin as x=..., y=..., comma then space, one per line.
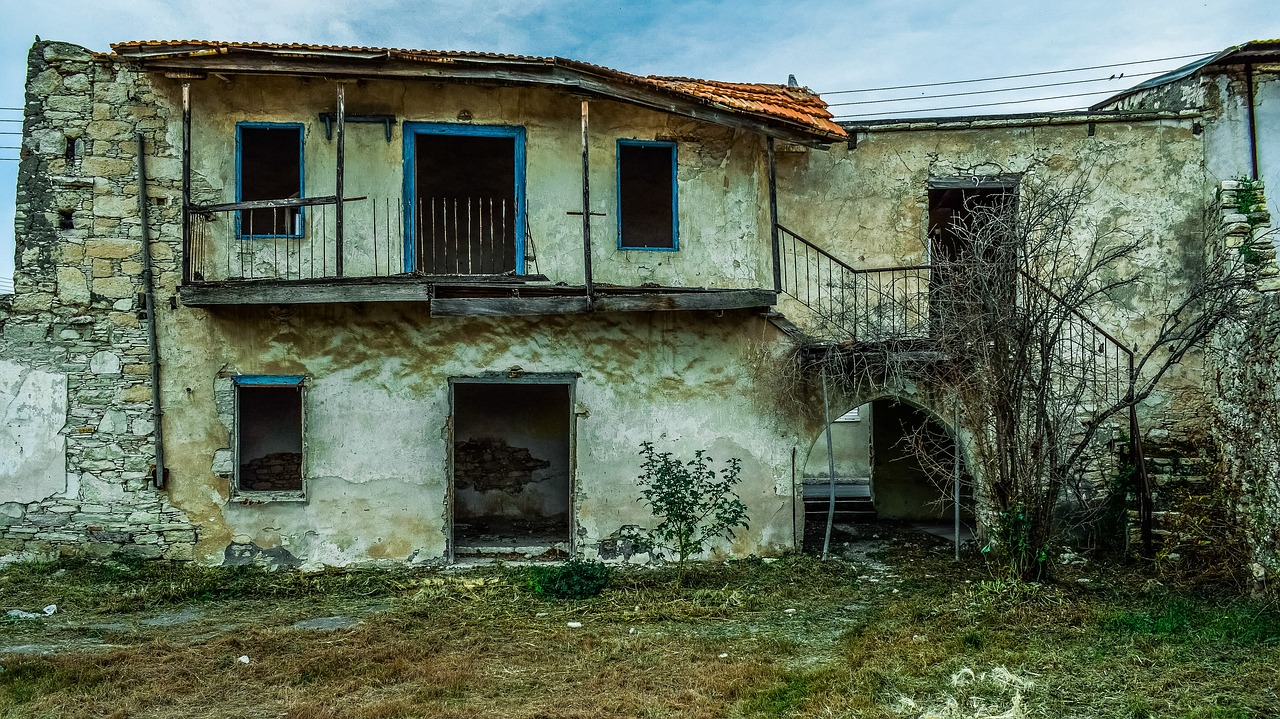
x=283, y=497
x=648, y=249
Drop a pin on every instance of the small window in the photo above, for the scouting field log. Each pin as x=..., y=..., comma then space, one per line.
x=269, y=456
x=647, y=195
x=269, y=167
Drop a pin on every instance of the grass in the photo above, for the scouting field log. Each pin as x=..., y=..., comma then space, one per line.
x=791, y=638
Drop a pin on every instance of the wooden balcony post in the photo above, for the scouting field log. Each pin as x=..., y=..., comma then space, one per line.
x=586, y=205
x=337, y=210
x=186, y=183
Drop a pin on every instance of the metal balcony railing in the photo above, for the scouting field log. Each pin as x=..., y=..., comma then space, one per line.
x=299, y=239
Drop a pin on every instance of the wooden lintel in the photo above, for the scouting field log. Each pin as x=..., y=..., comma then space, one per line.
x=295, y=294
x=686, y=301
x=507, y=306
x=542, y=74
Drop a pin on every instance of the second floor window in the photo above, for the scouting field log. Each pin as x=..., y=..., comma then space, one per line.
x=269, y=167
x=647, y=210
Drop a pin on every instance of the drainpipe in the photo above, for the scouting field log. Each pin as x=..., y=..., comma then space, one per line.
x=1253, y=125
x=149, y=290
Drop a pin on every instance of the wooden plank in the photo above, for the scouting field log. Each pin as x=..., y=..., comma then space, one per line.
x=686, y=301
x=507, y=306
x=253, y=293
x=271, y=204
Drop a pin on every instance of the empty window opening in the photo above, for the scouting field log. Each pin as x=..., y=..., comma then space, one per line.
x=66, y=220
x=893, y=466
x=646, y=195
x=269, y=168
x=269, y=435
x=511, y=470
x=73, y=148
x=465, y=202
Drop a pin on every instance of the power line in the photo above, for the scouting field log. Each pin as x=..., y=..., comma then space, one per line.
x=1012, y=77
x=987, y=92
x=981, y=104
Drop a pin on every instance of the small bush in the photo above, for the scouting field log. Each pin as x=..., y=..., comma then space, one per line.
x=575, y=579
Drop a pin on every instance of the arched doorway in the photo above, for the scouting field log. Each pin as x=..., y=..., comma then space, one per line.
x=894, y=464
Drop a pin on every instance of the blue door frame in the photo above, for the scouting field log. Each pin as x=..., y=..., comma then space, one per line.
x=411, y=132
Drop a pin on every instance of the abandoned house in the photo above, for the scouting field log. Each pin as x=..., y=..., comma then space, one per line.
x=318, y=305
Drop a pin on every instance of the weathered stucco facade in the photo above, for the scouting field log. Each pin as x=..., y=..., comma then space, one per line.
x=427, y=405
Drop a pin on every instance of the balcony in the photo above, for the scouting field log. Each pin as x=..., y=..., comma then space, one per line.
x=467, y=256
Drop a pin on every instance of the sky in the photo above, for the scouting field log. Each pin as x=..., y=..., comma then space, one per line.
x=829, y=45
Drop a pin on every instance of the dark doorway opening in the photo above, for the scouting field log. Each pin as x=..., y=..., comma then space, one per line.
x=912, y=457
x=894, y=467
x=465, y=204
x=958, y=216
x=511, y=470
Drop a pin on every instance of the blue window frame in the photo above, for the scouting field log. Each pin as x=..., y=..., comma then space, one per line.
x=464, y=190
x=269, y=166
x=648, y=209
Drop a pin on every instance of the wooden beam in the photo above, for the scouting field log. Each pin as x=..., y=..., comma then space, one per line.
x=271, y=204
x=254, y=293
x=686, y=301
x=542, y=74
x=507, y=306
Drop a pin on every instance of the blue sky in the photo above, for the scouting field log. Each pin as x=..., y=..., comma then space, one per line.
x=827, y=44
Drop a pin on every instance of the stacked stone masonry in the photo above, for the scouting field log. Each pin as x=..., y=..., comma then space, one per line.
x=76, y=313
x=1246, y=365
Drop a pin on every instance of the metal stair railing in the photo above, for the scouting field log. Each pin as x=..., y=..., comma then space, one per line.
x=849, y=306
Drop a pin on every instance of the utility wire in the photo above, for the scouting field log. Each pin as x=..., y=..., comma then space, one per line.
x=986, y=92
x=1011, y=77
x=981, y=104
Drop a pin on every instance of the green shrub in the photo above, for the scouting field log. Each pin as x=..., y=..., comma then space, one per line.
x=575, y=579
x=695, y=503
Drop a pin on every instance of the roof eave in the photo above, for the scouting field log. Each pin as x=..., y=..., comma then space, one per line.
x=553, y=72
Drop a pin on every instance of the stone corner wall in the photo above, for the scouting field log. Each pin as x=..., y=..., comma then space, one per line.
x=1245, y=374
x=75, y=395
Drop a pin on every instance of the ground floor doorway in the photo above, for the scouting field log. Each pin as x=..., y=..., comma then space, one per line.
x=512, y=466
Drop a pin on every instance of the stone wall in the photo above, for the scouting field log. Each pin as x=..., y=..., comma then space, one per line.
x=75, y=319
x=1246, y=376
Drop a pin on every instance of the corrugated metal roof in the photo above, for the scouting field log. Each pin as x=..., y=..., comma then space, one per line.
x=796, y=107
x=1255, y=49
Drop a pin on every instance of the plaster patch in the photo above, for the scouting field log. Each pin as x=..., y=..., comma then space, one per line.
x=33, y=409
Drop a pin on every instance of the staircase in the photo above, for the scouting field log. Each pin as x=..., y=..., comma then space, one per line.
x=847, y=309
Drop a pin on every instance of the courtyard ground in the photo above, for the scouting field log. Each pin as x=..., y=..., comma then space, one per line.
x=894, y=628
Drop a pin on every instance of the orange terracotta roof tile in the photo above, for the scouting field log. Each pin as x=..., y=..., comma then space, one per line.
x=797, y=107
